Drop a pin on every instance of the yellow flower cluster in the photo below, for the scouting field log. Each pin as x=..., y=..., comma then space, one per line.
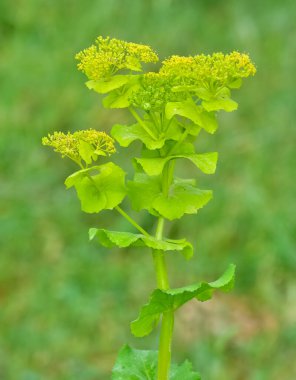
x=155, y=92
x=216, y=69
x=107, y=56
x=69, y=145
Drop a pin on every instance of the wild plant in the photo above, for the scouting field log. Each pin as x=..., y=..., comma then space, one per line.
x=172, y=106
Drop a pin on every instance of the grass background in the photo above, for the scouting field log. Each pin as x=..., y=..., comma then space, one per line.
x=65, y=304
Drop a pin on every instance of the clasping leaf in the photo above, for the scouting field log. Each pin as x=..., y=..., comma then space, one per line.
x=106, y=85
x=120, y=97
x=221, y=101
x=127, y=239
x=193, y=112
x=104, y=190
x=184, y=198
x=170, y=300
x=206, y=162
x=125, y=135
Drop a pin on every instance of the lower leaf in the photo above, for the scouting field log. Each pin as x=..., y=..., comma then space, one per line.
x=127, y=239
x=183, y=372
x=170, y=300
x=134, y=364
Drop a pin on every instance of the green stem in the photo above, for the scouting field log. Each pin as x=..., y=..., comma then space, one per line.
x=164, y=354
x=159, y=260
x=167, y=324
x=140, y=121
x=131, y=221
x=182, y=138
x=164, y=351
x=123, y=213
x=154, y=121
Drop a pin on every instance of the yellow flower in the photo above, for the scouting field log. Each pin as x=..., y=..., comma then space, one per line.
x=214, y=70
x=69, y=145
x=107, y=56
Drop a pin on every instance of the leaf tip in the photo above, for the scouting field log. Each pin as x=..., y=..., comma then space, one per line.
x=92, y=233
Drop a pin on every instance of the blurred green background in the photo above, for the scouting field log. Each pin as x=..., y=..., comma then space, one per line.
x=65, y=303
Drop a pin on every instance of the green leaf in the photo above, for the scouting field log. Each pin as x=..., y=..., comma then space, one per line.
x=206, y=162
x=170, y=300
x=187, y=108
x=221, y=101
x=127, y=239
x=236, y=83
x=184, y=198
x=76, y=177
x=183, y=372
x=106, y=85
x=209, y=121
x=195, y=113
x=134, y=364
x=100, y=191
x=143, y=190
x=227, y=105
x=186, y=147
x=86, y=151
x=120, y=98
x=192, y=129
x=203, y=93
x=125, y=135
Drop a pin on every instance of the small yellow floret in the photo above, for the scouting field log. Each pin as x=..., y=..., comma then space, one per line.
x=216, y=69
x=107, y=56
x=69, y=144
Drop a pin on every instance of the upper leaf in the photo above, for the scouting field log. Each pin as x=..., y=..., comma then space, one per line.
x=193, y=112
x=100, y=191
x=170, y=300
x=221, y=101
x=206, y=162
x=86, y=152
x=150, y=137
x=128, y=239
x=236, y=83
x=209, y=121
x=227, y=105
x=143, y=191
x=184, y=198
x=105, y=85
x=120, y=97
x=186, y=108
x=126, y=134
